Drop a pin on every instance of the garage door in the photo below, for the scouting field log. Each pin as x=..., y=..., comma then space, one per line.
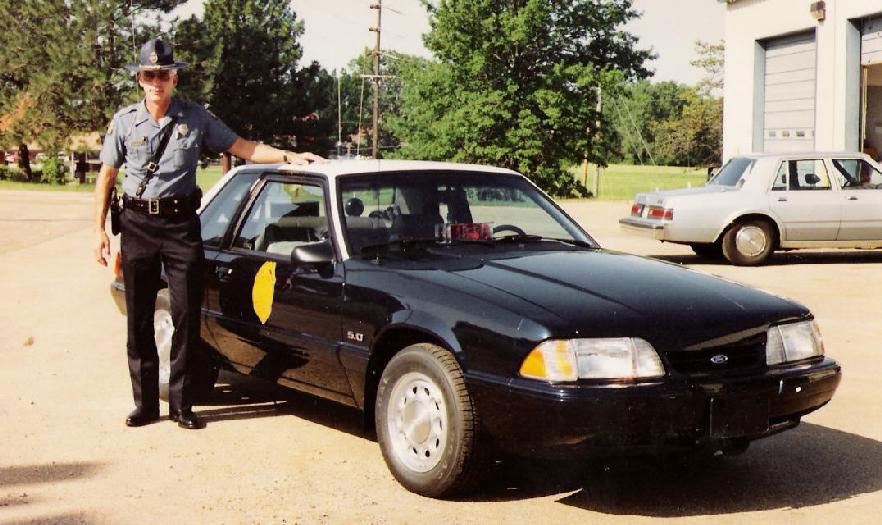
x=789, y=95
x=871, y=41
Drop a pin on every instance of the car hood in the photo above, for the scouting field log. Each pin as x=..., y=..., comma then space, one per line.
x=599, y=293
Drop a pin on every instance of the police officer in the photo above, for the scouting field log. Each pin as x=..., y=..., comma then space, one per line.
x=158, y=223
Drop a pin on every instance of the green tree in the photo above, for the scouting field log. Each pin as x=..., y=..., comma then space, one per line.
x=711, y=60
x=356, y=94
x=516, y=85
x=61, y=67
x=637, y=111
x=244, y=57
x=695, y=138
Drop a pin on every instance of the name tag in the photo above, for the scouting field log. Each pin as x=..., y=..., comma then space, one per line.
x=137, y=143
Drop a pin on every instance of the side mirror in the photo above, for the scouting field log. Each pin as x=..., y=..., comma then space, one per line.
x=812, y=179
x=320, y=252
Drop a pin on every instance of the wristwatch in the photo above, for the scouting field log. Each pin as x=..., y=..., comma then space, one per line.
x=285, y=158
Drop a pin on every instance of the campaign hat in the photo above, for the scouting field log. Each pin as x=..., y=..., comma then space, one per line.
x=156, y=55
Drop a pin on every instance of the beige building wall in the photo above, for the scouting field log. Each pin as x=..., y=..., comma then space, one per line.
x=749, y=22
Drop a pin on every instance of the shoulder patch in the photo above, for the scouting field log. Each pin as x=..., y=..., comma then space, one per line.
x=110, y=127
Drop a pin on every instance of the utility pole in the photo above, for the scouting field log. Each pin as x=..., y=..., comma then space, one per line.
x=376, y=80
x=599, y=109
x=339, y=117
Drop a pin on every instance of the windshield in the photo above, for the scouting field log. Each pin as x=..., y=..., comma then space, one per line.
x=733, y=172
x=446, y=206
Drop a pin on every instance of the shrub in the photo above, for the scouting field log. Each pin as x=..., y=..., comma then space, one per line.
x=53, y=170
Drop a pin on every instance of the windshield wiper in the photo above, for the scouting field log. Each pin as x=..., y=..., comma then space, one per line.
x=540, y=238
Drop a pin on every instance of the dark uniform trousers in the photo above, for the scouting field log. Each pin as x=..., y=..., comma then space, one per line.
x=150, y=242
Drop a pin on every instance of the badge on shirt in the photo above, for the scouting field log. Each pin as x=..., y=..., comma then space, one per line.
x=183, y=130
x=137, y=143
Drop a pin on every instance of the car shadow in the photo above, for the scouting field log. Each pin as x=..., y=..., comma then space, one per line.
x=238, y=397
x=810, y=465
x=788, y=258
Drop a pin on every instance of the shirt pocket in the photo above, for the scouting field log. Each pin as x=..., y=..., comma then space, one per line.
x=186, y=151
x=136, y=154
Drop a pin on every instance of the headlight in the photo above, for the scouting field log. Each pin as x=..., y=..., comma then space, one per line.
x=793, y=342
x=607, y=358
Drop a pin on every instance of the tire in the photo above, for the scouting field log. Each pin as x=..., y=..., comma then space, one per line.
x=204, y=373
x=427, y=425
x=707, y=250
x=748, y=243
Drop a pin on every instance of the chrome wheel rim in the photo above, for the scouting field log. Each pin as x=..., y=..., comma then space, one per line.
x=417, y=422
x=750, y=241
x=163, y=330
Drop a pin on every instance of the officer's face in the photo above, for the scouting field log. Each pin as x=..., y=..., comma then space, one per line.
x=158, y=85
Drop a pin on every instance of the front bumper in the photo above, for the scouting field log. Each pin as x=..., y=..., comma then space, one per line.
x=526, y=416
x=653, y=229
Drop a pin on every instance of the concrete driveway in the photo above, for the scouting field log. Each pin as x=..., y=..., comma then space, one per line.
x=270, y=457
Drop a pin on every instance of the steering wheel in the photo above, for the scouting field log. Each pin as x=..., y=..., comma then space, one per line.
x=508, y=228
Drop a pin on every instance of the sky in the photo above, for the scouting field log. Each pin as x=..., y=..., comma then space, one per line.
x=337, y=30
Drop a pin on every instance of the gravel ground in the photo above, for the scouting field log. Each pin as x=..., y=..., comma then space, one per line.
x=272, y=457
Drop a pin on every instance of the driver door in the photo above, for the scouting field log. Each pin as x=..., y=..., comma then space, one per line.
x=280, y=318
x=861, y=200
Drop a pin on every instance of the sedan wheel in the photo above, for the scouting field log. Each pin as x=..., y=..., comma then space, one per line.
x=426, y=422
x=748, y=243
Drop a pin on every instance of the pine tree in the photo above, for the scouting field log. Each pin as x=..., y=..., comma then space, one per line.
x=244, y=55
x=61, y=67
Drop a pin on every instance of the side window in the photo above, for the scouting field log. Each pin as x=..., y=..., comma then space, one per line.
x=282, y=217
x=807, y=175
x=858, y=174
x=217, y=215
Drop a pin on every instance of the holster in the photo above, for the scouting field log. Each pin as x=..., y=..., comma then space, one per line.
x=115, y=211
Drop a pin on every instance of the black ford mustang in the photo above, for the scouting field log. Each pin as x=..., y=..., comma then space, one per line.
x=459, y=307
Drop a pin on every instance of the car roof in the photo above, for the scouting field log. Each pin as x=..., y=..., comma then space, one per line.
x=335, y=168
x=802, y=155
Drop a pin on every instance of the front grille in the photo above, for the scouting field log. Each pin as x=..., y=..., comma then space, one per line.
x=741, y=356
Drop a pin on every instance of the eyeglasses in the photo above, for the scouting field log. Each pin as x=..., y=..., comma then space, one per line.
x=163, y=75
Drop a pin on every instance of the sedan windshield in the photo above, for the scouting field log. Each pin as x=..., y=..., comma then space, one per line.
x=448, y=207
x=733, y=172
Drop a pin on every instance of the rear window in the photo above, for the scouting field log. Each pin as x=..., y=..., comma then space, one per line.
x=733, y=172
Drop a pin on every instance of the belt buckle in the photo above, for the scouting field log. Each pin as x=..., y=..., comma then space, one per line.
x=153, y=206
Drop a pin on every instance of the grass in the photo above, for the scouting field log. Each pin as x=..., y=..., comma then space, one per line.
x=623, y=181
x=205, y=178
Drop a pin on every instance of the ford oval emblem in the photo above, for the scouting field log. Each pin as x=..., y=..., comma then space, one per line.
x=719, y=359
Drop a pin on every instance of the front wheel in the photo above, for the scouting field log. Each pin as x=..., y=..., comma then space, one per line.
x=748, y=243
x=427, y=424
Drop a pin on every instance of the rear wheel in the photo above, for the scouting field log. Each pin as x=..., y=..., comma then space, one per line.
x=203, y=373
x=427, y=424
x=748, y=243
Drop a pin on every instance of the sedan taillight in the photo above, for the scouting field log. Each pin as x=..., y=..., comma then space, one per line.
x=656, y=212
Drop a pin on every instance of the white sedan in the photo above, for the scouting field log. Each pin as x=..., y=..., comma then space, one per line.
x=757, y=204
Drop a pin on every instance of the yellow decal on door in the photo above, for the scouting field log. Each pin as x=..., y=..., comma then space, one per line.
x=262, y=293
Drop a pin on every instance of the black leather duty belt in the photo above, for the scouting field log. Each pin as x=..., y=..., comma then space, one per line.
x=166, y=206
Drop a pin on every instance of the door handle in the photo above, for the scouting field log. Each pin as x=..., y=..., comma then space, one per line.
x=224, y=273
x=852, y=198
x=782, y=199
